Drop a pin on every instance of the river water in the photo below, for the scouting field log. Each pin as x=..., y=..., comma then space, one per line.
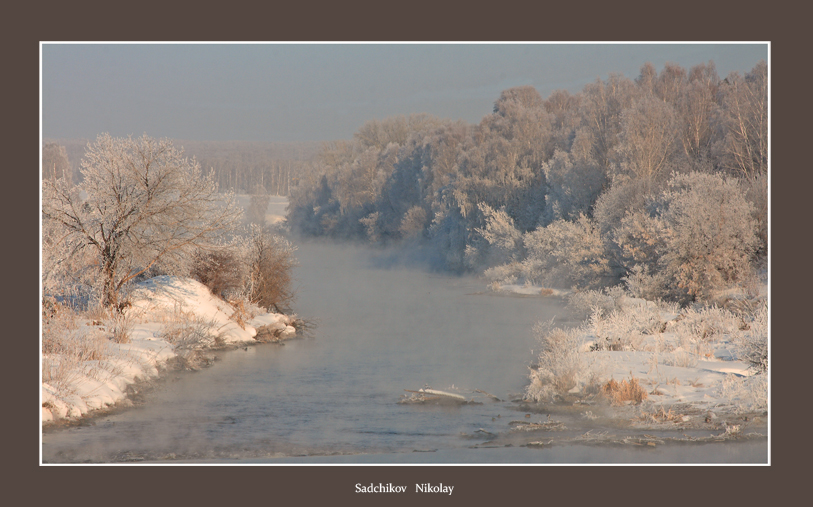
x=384, y=326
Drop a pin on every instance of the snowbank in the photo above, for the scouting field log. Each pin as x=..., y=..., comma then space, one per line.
x=692, y=360
x=168, y=316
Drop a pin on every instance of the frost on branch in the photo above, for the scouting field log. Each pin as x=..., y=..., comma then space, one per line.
x=141, y=206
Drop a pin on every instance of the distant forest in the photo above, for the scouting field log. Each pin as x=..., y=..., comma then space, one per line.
x=243, y=166
x=658, y=182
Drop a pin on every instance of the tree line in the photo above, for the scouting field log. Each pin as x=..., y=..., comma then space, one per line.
x=659, y=182
x=246, y=167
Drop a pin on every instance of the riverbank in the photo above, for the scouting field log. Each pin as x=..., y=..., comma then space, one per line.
x=91, y=362
x=652, y=365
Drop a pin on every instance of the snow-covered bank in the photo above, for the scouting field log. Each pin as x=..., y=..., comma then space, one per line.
x=654, y=363
x=95, y=361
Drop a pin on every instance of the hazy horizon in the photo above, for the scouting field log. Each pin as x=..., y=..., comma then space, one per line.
x=320, y=92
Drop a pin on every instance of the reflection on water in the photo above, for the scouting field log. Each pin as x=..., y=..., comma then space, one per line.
x=381, y=330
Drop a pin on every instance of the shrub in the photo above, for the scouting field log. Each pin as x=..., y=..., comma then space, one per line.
x=706, y=322
x=559, y=363
x=499, y=242
x=641, y=240
x=745, y=394
x=566, y=253
x=269, y=261
x=756, y=191
x=66, y=345
x=646, y=284
x=574, y=185
x=607, y=299
x=121, y=326
x=561, y=366
x=713, y=234
x=220, y=271
x=752, y=342
x=623, y=328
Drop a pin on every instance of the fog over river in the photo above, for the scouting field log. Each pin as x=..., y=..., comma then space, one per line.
x=383, y=326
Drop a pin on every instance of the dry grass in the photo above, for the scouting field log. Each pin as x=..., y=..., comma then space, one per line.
x=61, y=335
x=121, y=325
x=681, y=359
x=662, y=416
x=67, y=346
x=241, y=314
x=186, y=330
x=625, y=391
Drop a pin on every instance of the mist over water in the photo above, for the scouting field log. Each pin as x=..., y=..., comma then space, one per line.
x=383, y=326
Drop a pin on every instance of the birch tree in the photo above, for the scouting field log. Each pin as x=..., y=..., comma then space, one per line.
x=744, y=120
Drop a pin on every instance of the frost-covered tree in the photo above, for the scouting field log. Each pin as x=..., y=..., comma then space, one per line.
x=601, y=107
x=574, y=184
x=744, y=122
x=55, y=162
x=566, y=254
x=564, y=109
x=501, y=241
x=670, y=83
x=648, y=138
x=756, y=191
x=268, y=262
x=697, y=108
x=624, y=196
x=141, y=205
x=413, y=222
x=713, y=233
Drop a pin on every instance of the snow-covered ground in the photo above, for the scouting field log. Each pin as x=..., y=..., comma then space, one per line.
x=170, y=318
x=693, y=364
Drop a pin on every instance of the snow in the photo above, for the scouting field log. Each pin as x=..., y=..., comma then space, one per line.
x=687, y=359
x=161, y=306
x=529, y=290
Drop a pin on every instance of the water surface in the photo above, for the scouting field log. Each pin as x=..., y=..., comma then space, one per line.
x=383, y=327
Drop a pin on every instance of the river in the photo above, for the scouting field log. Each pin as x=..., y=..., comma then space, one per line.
x=384, y=326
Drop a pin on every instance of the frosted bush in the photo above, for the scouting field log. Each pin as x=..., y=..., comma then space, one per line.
x=745, y=394
x=681, y=358
x=562, y=365
x=623, y=197
x=501, y=241
x=506, y=273
x=752, y=342
x=63, y=335
x=706, y=322
x=567, y=253
x=623, y=328
x=186, y=330
x=67, y=345
x=641, y=240
x=642, y=283
x=713, y=234
x=607, y=299
x=413, y=222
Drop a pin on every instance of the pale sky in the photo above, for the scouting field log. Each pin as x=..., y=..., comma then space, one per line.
x=320, y=92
